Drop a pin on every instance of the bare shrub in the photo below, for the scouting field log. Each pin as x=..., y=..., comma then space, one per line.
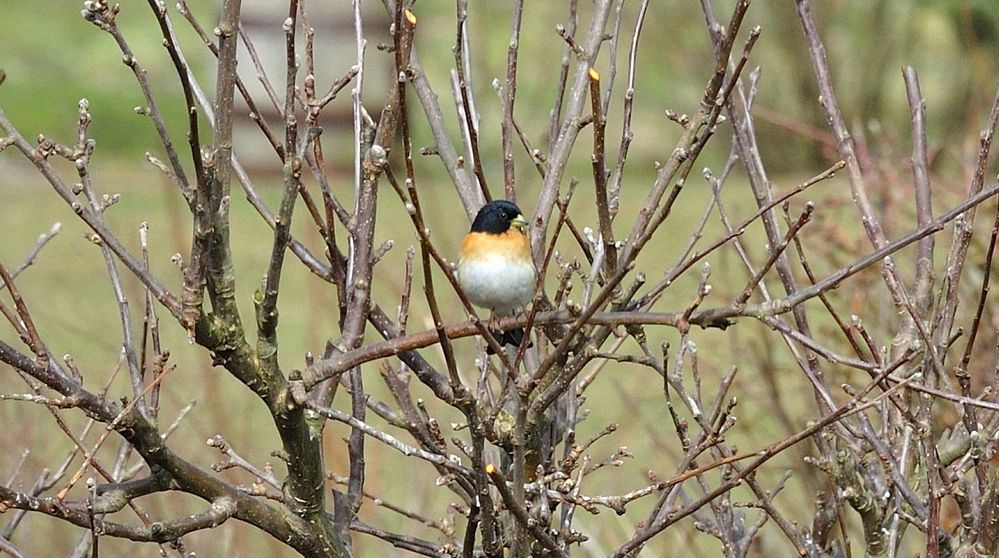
x=893, y=334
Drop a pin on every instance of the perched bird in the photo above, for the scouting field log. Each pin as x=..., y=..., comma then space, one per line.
x=495, y=268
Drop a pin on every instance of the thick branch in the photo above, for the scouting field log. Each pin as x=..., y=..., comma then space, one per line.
x=77, y=513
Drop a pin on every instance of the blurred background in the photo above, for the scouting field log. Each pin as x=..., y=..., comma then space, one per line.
x=52, y=58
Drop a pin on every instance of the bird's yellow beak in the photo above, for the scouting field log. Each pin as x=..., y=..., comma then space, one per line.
x=519, y=223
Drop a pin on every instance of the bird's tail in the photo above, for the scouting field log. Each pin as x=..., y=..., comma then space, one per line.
x=513, y=337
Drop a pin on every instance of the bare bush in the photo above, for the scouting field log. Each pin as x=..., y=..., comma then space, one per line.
x=897, y=431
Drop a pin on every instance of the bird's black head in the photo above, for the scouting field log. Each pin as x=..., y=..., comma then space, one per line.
x=497, y=217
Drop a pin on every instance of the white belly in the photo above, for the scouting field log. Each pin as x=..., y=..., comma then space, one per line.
x=494, y=283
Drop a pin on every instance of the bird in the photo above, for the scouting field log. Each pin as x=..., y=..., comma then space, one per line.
x=495, y=268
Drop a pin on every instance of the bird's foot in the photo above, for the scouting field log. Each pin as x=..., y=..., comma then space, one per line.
x=494, y=325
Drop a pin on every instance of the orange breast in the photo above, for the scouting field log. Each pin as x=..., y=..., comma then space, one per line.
x=512, y=244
